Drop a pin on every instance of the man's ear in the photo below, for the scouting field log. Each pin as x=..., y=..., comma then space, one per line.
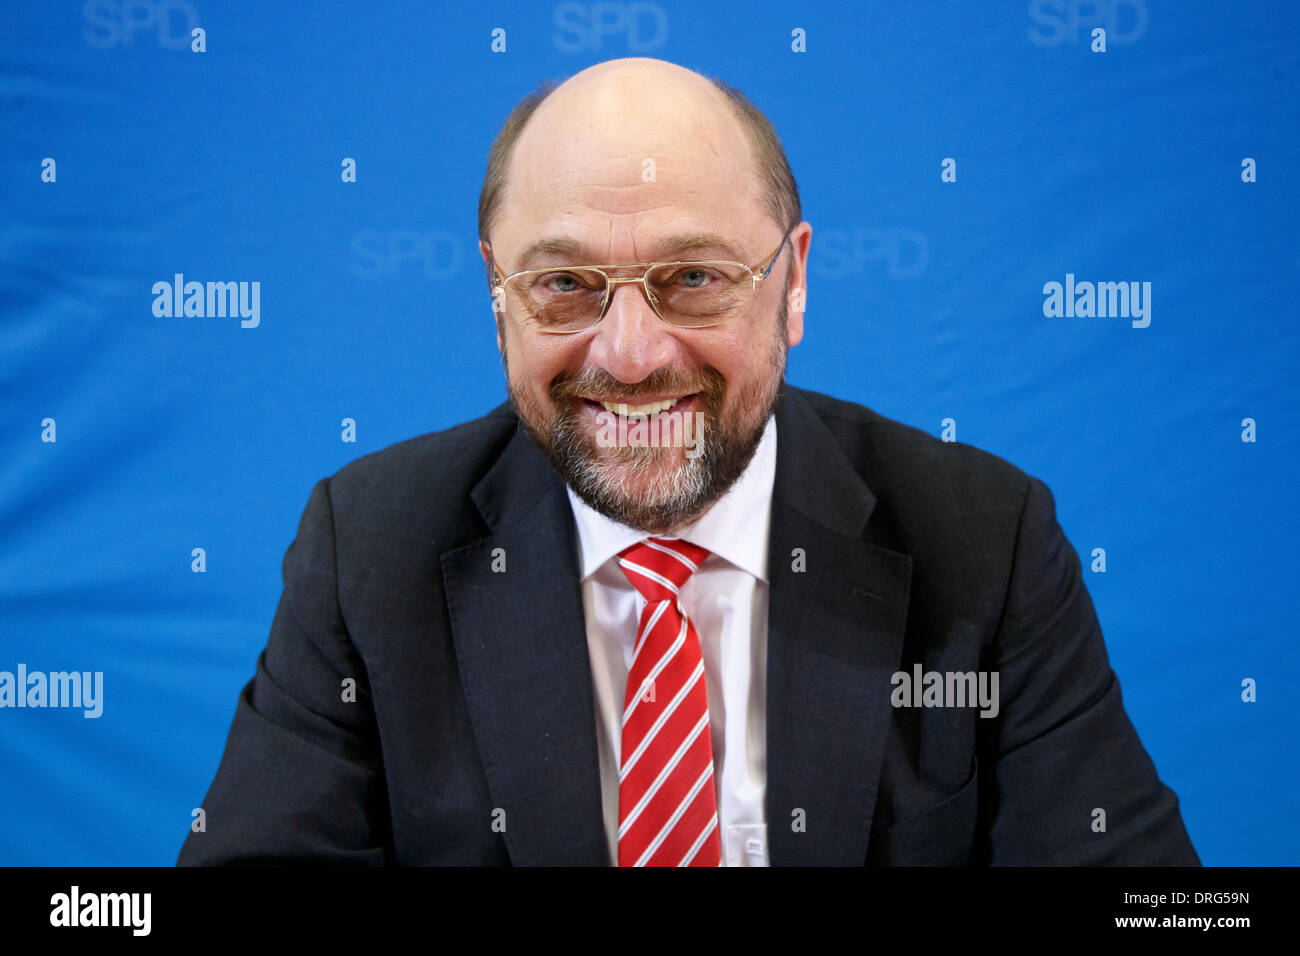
x=800, y=240
x=485, y=252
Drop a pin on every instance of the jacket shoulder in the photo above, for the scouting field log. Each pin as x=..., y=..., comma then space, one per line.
x=904, y=465
x=422, y=484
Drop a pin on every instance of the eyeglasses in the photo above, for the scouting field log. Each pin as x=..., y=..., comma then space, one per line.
x=562, y=300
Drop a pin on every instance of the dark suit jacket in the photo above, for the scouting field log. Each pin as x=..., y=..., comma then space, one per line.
x=471, y=739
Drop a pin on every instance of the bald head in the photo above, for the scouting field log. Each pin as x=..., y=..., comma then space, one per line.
x=634, y=100
x=606, y=133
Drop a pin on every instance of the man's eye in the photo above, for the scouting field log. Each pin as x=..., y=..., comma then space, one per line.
x=694, y=278
x=561, y=282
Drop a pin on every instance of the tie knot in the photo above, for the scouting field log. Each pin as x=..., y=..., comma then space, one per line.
x=658, y=567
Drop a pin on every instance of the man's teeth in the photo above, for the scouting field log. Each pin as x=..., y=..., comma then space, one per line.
x=622, y=408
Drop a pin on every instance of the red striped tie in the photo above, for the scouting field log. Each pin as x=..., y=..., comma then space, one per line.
x=667, y=810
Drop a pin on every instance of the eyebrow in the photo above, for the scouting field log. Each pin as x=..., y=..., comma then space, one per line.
x=573, y=251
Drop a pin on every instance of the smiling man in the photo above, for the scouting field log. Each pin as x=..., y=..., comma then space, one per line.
x=578, y=631
x=667, y=174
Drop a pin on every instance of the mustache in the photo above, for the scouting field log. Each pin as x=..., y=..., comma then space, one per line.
x=597, y=384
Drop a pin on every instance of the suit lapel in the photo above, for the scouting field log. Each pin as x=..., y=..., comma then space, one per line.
x=521, y=645
x=835, y=637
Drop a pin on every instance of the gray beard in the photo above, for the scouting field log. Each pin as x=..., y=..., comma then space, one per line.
x=613, y=487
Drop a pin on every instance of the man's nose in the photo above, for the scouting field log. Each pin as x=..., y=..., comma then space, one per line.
x=631, y=340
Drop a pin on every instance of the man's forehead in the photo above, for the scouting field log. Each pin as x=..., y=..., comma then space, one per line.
x=627, y=170
x=656, y=204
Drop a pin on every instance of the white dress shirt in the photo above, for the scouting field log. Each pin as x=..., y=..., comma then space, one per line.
x=726, y=599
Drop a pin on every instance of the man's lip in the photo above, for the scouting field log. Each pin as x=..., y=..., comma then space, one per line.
x=594, y=412
x=640, y=401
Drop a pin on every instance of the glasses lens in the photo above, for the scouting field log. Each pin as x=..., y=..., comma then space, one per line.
x=563, y=300
x=695, y=294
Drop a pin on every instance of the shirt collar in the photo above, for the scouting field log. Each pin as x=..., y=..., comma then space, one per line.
x=735, y=527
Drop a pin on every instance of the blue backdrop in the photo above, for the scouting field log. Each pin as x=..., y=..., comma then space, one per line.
x=130, y=439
